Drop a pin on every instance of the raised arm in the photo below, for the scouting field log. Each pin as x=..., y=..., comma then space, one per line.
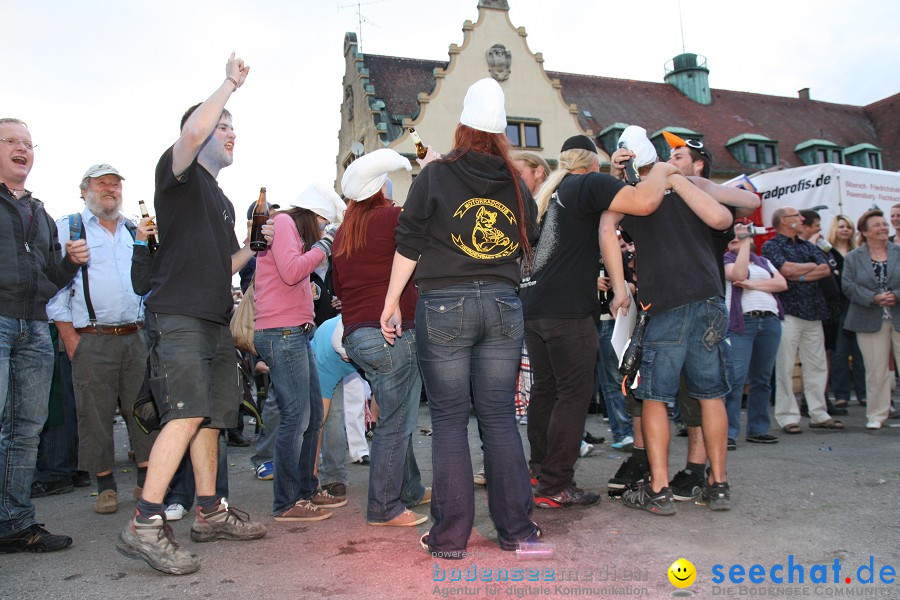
x=204, y=120
x=704, y=206
x=645, y=197
x=745, y=202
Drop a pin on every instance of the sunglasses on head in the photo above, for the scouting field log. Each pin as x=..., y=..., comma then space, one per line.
x=698, y=146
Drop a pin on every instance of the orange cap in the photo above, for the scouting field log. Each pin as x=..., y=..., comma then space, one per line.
x=673, y=140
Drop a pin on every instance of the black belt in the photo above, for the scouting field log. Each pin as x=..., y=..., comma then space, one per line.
x=123, y=329
x=305, y=328
x=759, y=313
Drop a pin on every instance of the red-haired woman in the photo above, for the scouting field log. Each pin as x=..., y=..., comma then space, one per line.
x=364, y=248
x=463, y=229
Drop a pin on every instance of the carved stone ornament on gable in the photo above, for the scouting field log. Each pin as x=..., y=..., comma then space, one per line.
x=348, y=102
x=498, y=60
x=500, y=4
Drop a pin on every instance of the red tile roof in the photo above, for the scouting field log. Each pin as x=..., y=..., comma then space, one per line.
x=397, y=81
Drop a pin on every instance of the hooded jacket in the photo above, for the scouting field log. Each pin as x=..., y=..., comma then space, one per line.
x=461, y=222
x=33, y=268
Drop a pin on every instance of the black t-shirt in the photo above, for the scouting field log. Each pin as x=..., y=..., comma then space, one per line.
x=563, y=281
x=676, y=260
x=191, y=271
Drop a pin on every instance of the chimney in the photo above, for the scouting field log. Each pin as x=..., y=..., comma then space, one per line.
x=803, y=94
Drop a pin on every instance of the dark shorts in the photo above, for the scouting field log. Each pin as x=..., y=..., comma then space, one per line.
x=193, y=370
x=688, y=339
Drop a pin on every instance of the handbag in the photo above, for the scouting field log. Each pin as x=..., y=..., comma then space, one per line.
x=243, y=320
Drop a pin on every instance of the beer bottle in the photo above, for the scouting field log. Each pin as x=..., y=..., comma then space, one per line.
x=152, y=242
x=421, y=150
x=631, y=172
x=258, y=241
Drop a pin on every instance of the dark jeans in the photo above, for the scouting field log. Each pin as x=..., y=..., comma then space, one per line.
x=471, y=335
x=182, y=488
x=563, y=357
x=610, y=382
x=845, y=378
x=58, y=451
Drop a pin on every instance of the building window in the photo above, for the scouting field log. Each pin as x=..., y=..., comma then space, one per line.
x=769, y=154
x=874, y=160
x=752, y=153
x=836, y=156
x=821, y=155
x=523, y=134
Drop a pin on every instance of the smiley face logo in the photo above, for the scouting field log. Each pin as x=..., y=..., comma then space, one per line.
x=682, y=573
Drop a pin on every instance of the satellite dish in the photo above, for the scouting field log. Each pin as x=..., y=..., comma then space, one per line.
x=357, y=149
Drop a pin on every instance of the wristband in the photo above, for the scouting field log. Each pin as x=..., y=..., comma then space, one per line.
x=234, y=81
x=802, y=278
x=140, y=243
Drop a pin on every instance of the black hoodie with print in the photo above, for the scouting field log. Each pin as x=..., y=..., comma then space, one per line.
x=461, y=222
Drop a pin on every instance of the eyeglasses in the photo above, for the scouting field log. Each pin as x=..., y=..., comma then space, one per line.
x=16, y=142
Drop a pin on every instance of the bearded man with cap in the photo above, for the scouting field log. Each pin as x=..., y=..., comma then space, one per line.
x=32, y=273
x=364, y=249
x=677, y=264
x=559, y=297
x=466, y=224
x=100, y=320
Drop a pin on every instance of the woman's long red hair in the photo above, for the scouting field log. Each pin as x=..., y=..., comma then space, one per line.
x=466, y=139
x=356, y=222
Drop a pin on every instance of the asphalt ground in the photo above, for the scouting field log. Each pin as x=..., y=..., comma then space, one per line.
x=822, y=498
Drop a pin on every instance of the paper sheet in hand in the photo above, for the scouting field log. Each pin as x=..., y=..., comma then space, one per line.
x=624, y=327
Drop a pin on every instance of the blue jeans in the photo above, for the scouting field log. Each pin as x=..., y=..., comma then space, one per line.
x=333, y=465
x=265, y=441
x=182, y=488
x=752, y=361
x=26, y=370
x=58, y=452
x=393, y=373
x=470, y=338
x=843, y=378
x=292, y=369
x=610, y=381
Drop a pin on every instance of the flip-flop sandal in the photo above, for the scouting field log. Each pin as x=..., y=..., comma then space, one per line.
x=829, y=424
x=792, y=428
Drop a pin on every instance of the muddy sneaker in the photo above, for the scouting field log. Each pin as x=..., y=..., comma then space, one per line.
x=323, y=498
x=153, y=541
x=687, y=485
x=33, y=539
x=569, y=497
x=225, y=523
x=644, y=498
x=630, y=474
x=304, y=510
x=717, y=496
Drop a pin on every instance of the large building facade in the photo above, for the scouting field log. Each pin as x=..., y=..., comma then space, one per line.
x=746, y=132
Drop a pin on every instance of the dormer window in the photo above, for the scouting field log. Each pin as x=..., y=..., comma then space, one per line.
x=863, y=155
x=817, y=151
x=754, y=151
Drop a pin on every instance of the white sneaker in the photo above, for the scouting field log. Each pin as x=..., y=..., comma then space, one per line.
x=585, y=449
x=625, y=441
x=175, y=512
x=873, y=425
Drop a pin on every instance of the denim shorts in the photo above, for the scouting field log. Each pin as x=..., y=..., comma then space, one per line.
x=689, y=338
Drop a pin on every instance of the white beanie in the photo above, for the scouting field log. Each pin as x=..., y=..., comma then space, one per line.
x=367, y=174
x=322, y=200
x=483, y=108
x=336, y=338
x=636, y=140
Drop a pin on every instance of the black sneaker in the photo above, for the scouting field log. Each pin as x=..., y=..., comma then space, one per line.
x=717, y=496
x=732, y=445
x=569, y=497
x=687, y=485
x=81, y=479
x=762, y=439
x=40, y=489
x=630, y=474
x=34, y=539
x=644, y=498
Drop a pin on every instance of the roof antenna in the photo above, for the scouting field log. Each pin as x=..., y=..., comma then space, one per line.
x=361, y=18
x=681, y=23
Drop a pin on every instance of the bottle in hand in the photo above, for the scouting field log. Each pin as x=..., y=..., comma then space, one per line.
x=421, y=150
x=152, y=241
x=258, y=241
x=631, y=172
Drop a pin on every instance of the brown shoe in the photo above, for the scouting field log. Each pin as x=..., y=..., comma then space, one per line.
x=323, y=498
x=138, y=491
x=426, y=498
x=405, y=519
x=107, y=502
x=304, y=510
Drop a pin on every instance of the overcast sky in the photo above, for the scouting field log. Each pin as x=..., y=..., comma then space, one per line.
x=108, y=81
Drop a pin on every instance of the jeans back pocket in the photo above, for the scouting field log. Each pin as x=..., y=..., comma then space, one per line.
x=443, y=319
x=512, y=322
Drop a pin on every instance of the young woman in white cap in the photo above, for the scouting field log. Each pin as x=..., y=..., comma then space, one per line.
x=364, y=249
x=284, y=324
x=463, y=230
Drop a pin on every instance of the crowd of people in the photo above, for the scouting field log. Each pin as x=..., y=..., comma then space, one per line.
x=497, y=271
